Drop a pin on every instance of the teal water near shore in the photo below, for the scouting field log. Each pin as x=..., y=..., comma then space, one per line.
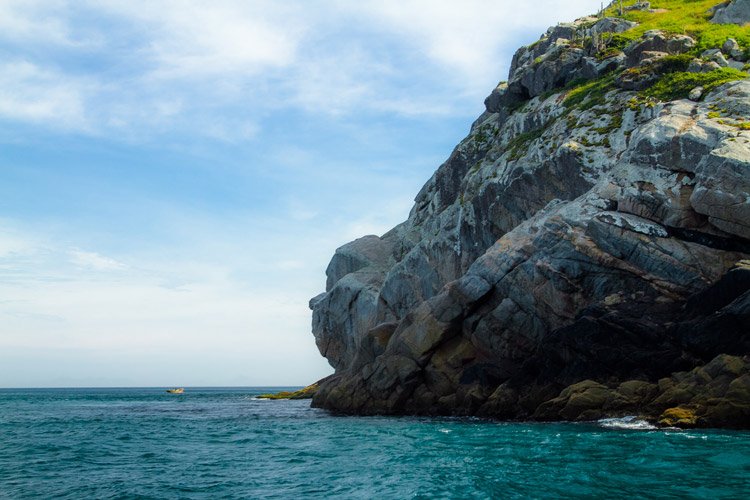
x=223, y=443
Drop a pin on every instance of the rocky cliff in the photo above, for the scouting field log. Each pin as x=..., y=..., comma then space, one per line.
x=582, y=252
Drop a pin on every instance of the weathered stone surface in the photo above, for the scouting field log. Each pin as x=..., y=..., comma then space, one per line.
x=565, y=262
x=715, y=55
x=722, y=189
x=701, y=66
x=733, y=50
x=368, y=251
x=612, y=25
x=658, y=42
x=696, y=94
x=733, y=12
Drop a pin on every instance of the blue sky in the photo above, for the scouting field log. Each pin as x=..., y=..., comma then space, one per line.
x=175, y=175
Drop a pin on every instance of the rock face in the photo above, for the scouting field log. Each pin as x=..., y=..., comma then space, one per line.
x=578, y=255
x=733, y=12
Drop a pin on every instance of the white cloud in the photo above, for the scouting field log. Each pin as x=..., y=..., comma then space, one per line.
x=72, y=303
x=94, y=261
x=34, y=94
x=191, y=38
x=31, y=21
x=132, y=69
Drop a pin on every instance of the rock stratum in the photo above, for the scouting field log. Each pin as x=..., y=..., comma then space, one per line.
x=583, y=253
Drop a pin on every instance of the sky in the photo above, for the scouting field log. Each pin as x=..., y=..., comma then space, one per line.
x=176, y=175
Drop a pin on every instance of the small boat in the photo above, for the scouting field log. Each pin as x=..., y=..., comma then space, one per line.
x=177, y=390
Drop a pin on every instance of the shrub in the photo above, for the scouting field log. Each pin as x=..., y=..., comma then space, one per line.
x=678, y=85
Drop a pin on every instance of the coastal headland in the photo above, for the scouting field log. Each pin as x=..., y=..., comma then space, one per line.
x=583, y=252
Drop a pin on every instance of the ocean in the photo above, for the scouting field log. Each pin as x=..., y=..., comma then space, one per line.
x=224, y=443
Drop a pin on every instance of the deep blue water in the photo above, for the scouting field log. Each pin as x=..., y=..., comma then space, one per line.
x=223, y=443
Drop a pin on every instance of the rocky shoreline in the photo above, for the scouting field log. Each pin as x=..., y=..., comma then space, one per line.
x=582, y=254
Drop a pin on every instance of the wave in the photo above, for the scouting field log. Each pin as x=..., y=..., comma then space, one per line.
x=631, y=422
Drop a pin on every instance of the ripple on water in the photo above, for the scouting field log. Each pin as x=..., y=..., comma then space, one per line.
x=225, y=443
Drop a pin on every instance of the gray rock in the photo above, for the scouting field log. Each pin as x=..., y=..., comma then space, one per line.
x=639, y=6
x=701, y=66
x=735, y=12
x=696, y=94
x=733, y=50
x=558, y=243
x=656, y=41
x=716, y=56
x=368, y=251
x=722, y=188
x=612, y=25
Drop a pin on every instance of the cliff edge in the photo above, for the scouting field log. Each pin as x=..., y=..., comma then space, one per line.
x=583, y=253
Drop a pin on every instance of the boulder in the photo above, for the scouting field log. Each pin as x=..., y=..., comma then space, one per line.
x=701, y=66
x=733, y=12
x=656, y=41
x=732, y=49
x=696, y=94
x=715, y=55
x=612, y=25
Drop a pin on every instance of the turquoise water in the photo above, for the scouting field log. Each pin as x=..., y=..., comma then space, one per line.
x=223, y=443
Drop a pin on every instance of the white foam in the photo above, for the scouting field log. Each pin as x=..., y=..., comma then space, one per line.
x=633, y=423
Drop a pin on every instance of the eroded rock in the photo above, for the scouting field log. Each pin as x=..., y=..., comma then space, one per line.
x=732, y=12
x=567, y=261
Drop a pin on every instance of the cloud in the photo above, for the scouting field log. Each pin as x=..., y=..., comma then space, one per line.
x=189, y=39
x=30, y=21
x=42, y=96
x=73, y=303
x=94, y=261
x=218, y=70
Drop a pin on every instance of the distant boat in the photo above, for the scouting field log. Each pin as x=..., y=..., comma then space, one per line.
x=178, y=390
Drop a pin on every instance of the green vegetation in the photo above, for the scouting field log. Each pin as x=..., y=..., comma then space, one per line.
x=305, y=393
x=521, y=143
x=675, y=17
x=614, y=124
x=663, y=79
x=679, y=17
x=592, y=93
x=679, y=417
x=678, y=85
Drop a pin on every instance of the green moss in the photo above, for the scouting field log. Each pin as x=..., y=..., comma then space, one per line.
x=673, y=63
x=305, y=393
x=520, y=144
x=678, y=85
x=607, y=53
x=592, y=93
x=679, y=416
x=614, y=124
x=714, y=114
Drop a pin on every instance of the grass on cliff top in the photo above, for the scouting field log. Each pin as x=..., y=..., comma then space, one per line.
x=681, y=17
x=679, y=84
x=688, y=17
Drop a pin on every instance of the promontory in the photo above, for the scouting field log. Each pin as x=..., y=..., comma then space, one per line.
x=583, y=253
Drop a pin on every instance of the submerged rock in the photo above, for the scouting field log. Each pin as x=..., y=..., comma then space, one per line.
x=578, y=256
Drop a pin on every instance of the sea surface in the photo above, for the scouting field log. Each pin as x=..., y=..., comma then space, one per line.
x=224, y=443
